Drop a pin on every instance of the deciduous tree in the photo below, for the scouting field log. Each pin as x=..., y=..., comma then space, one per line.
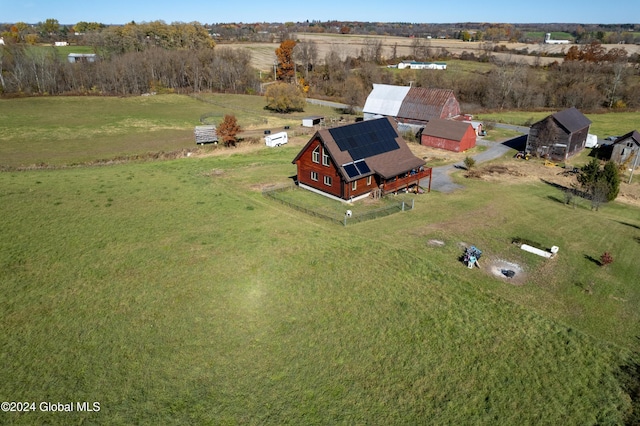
x=50, y=26
x=306, y=54
x=286, y=68
x=228, y=130
x=283, y=97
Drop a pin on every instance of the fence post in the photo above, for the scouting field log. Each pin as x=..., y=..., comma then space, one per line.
x=403, y=206
x=412, y=203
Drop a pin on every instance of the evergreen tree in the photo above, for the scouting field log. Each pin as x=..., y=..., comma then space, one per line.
x=601, y=184
x=589, y=174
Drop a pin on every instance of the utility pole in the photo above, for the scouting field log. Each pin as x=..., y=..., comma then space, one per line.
x=635, y=164
x=275, y=64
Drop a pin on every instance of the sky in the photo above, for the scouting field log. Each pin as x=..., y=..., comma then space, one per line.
x=69, y=12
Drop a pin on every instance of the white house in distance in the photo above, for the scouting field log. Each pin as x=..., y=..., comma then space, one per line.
x=422, y=65
x=549, y=40
x=81, y=57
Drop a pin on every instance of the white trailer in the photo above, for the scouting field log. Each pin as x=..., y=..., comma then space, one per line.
x=276, y=139
x=592, y=141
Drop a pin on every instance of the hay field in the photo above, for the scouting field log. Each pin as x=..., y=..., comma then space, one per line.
x=350, y=45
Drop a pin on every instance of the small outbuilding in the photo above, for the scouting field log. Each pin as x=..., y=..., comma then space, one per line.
x=452, y=135
x=312, y=121
x=559, y=136
x=81, y=57
x=626, y=149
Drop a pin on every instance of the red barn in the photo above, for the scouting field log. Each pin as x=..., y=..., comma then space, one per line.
x=348, y=162
x=451, y=135
x=410, y=105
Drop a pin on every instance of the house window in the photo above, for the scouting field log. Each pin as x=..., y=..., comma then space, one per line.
x=325, y=158
x=327, y=180
x=314, y=176
x=315, y=155
x=368, y=180
x=354, y=185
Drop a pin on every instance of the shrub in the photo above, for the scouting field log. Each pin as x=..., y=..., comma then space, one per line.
x=283, y=97
x=606, y=259
x=469, y=162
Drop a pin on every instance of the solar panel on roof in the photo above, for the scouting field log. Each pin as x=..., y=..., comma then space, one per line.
x=362, y=167
x=365, y=139
x=351, y=170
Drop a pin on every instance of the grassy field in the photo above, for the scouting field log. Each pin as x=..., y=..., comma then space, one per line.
x=174, y=292
x=67, y=130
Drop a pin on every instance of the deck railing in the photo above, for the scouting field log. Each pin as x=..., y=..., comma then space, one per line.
x=401, y=182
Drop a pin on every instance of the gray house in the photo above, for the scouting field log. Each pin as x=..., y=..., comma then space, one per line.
x=626, y=149
x=559, y=136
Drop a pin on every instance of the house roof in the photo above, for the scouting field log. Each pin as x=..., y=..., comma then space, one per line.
x=373, y=145
x=571, y=119
x=423, y=104
x=385, y=99
x=446, y=129
x=632, y=135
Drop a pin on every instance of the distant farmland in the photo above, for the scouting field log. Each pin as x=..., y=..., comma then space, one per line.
x=350, y=45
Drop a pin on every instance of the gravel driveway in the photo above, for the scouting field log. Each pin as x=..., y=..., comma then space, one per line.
x=441, y=179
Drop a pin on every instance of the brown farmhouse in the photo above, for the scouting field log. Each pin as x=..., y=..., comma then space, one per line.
x=348, y=162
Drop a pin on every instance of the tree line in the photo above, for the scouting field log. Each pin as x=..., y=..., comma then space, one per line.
x=156, y=57
x=589, y=78
x=41, y=71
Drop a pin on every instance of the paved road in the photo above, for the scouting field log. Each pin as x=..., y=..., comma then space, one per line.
x=441, y=180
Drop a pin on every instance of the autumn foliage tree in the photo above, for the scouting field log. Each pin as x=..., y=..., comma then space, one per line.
x=286, y=69
x=228, y=130
x=283, y=97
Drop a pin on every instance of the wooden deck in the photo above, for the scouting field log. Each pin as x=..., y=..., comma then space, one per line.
x=400, y=183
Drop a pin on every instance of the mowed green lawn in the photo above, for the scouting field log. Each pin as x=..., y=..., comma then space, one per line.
x=66, y=130
x=175, y=292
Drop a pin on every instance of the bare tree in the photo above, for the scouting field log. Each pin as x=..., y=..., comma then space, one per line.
x=503, y=78
x=372, y=51
x=418, y=49
x=618, y=70
x=306, y=53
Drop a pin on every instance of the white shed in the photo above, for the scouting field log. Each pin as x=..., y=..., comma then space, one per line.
x=312, y=121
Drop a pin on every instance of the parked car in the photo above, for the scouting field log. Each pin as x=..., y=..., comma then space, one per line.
x=611, y=138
